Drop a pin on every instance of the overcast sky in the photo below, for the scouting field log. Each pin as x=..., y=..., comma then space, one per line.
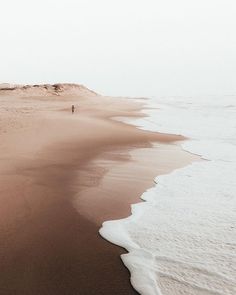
x=123, y=47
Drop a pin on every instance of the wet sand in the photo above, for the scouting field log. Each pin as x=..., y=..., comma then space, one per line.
x=62, y=175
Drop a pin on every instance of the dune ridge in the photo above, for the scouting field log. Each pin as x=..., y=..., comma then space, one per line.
x=58, y=89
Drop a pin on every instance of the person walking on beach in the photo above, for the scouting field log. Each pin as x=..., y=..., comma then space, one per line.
x=73, y=109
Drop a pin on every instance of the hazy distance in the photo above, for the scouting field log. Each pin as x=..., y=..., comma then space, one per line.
x=125, y=47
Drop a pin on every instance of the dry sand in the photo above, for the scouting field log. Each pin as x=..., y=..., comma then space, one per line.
x=62, y=175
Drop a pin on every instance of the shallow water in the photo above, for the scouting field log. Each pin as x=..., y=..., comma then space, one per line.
x=183, y=239
x=116, y=179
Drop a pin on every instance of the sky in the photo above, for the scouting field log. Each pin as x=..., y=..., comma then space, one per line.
x=125, y=47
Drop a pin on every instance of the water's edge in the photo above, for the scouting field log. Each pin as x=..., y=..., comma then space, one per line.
x=182, y=239
x=137, y=259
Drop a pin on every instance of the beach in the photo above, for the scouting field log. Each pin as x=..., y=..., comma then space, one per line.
x=62, y=176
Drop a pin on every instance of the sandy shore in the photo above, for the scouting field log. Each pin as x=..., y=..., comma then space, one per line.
x=62, y=175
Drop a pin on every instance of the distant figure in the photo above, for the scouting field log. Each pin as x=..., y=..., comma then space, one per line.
x=73, y=109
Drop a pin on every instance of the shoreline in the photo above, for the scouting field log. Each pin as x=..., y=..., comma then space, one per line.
x=45, y=247
x=181, y=240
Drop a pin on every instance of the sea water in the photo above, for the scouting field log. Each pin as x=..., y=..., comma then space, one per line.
x=182, y=240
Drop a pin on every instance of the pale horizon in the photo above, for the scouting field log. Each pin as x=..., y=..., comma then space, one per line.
x=128, y=48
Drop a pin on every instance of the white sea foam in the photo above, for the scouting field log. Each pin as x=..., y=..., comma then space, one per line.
x=182, y=240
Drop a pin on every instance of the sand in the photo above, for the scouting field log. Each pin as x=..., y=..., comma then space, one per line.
x=62, y=175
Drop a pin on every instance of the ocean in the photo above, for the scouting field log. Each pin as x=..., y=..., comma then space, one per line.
x=182, y=240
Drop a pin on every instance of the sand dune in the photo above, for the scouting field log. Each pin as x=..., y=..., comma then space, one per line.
x=60, y=89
